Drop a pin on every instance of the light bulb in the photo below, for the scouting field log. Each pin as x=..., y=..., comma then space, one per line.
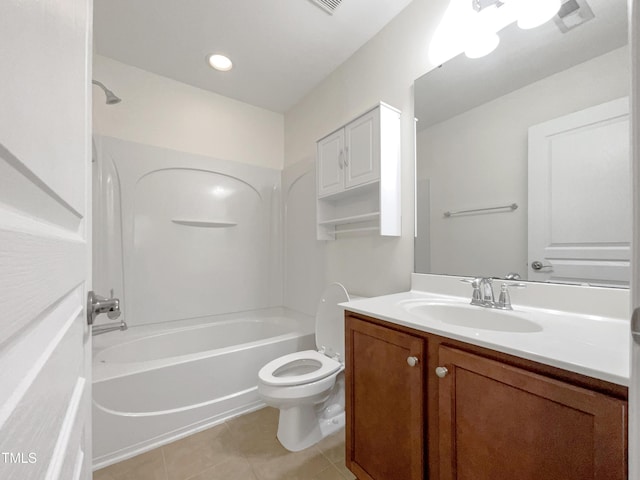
x=533, y=13
x=481, y=45
x=220, y=62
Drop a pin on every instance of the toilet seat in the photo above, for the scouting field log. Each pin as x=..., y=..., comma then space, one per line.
x=326, y=367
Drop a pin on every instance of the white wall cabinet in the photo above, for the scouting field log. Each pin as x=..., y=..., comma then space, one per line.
x=358, y=176
x=330, y=166
x=362, y=149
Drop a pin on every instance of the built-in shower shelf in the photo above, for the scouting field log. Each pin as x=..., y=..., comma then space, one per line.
x=204, y=223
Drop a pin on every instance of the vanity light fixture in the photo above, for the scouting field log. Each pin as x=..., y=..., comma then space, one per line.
x=533, y=13
x=220, y=62
x=472, y=26
x=482, y=45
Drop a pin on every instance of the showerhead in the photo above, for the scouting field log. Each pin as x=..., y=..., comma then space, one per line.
x=112, y=98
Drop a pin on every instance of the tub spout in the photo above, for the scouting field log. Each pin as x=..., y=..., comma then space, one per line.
x=108, y=327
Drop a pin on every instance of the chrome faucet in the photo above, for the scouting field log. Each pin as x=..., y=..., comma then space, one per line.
x=486, y=287
x=96, y=305
x=110, y=306
x=483, y=293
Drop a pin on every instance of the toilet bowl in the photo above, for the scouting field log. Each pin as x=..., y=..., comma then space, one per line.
x=308, y=386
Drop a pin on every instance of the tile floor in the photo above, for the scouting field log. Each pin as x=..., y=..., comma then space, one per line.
x=243, y=448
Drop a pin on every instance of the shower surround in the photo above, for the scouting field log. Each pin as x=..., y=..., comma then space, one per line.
x=192, y=246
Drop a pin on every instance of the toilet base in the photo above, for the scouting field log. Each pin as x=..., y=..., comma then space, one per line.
x=301, y=427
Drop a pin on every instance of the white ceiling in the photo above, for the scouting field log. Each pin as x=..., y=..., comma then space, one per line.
x=281, y=49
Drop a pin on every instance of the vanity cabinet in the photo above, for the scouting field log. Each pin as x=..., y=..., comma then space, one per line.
x=484, y=415
x=358, y=175
x=384, y=402
x=498, y=421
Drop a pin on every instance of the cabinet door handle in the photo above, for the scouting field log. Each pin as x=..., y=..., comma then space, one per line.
x=442, y=372
x=346, y=156
x=412, y=361
x=340, y=159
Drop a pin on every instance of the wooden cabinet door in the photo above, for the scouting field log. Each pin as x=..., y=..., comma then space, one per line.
x=362, y=150
x=330, y=164
x=384, y=403
x=500, y=422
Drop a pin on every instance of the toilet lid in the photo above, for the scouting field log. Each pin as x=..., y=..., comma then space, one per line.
x=330, y=321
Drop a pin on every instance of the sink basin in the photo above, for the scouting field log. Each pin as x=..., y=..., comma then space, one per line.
x=473, y=316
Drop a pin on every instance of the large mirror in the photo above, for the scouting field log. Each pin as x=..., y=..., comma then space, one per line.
x=523, y=155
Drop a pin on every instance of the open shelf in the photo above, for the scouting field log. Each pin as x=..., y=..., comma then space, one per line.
x=351, y=219
x=356, y=210
x=204, y=223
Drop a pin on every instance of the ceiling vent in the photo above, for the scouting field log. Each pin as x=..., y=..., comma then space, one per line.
x=572, y=14
x=328, y=6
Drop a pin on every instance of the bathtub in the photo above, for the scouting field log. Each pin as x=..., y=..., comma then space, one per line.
x=156, y=383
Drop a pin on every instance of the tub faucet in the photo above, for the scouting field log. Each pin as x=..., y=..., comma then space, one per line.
x=96, y=305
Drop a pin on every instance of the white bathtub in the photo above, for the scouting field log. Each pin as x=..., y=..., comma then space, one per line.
x=157, y=383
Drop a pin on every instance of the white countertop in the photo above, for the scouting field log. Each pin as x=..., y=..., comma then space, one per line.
x=596, y=345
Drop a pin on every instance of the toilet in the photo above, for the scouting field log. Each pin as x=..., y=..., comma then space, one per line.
x=308, y=386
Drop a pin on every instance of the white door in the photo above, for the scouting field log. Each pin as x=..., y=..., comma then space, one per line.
x=331, y=164
x=580, y=197
x=45, y=52
x=362, y=149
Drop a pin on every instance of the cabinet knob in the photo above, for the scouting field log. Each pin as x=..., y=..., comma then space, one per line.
x=442, y=372
x=412, y=361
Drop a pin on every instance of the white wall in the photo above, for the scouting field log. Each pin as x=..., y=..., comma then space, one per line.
x=161, y=112
x=490, y=145
x=304, y=255
x=190, y=271
x=382, y=70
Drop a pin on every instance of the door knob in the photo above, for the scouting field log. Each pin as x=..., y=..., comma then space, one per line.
x=412, y=361
x=442, y=372
x=538, y=265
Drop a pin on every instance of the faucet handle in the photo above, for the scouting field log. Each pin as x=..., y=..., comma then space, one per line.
x=476, y=283
x=504, y=300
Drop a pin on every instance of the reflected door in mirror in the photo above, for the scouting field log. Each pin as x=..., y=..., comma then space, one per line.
x=580, y=197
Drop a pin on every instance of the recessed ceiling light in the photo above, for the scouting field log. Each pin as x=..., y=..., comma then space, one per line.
x=220, y=62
